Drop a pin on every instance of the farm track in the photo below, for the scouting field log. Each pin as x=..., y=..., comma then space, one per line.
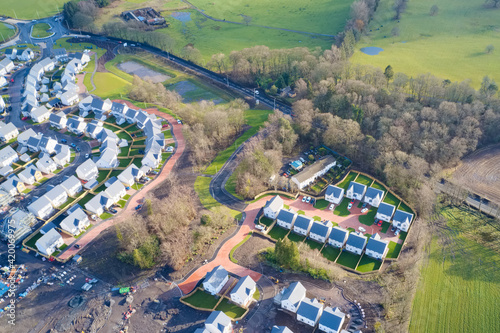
x=480, y=173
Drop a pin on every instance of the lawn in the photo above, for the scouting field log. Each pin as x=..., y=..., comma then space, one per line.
x=405, y=208
x=124, y=162
x=321, y=204
x=313, y=244
x=348, y=259
x=31, y=243
x=105, y=216
x=109, y=85
x=391, y=199
x=341, y=210
x=254, y=118
x=379, y=186
x=40, y=30
x=266, y=221
x=231, y=185
x=369, y=217
x=85, y=199
x=435, y=44
x=122, y=203
x=237, y=246
x=385, y=227
x=201, y=299
x=350, y=177
x=202, y=188
x=394, y=249
x=362, y=179
x=6, y=30
x=62, y=247
x=31, y=9
x=102, y=175
x=296, y=237
x=331, y=253
x=230, y=309
x=67, y=203
x=277, y=232
x=367, y=264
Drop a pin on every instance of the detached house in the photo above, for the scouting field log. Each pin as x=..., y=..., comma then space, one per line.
x=384, y=212
x=24, y=136
x=47, y=145
x=11, y=54
x=292, y=296
x=69, y=97
x=6, y=65
x=108, y=159
x=13, y=185
x=94, y=128
x=376, y=248
x=130, y=175
x=312, y=172
x=30, y=175
x=215, y=280
x=76, y=222
x=286, y=218
x=72, y=186
x=281, y=329
x=373, y=196
x=47, y=64
x=46, y=164
x=8, y=131
x=302, y=225
x=355, y=191
x=356, y=243
x=63, y=155
x=319, y=232
x=26, y=55
x=118, y=110
x=57, y=196
x=334, y=194
x=58, y=120
x=309, y=311
x=130, y=115
x=41, y=207
x=76, y=125
x=40, y=114
x=338, y=237
x=8, y=156
x=331, y=320
x=116, y=191
x=50, y=242
x=402, y=220
x=218, y=322
x=98, y=203
x=242, y=293
x=87, y=170
x=272, y=207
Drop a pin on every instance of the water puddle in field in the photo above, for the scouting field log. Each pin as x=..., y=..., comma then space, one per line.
x=182, y=16
x=371, y=50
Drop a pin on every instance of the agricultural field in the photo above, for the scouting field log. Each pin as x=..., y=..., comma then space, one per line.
x=460, y=31
x=458, y=289
x=482, y=168
x=31, y=9
x=6, y=31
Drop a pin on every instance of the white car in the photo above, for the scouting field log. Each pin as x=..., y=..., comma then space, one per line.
x=364, y=210
x=397, y=232
x=332, y=207
x=362, y=229
x=304, y=199
x=260, y=227
x=349, y=206
x=308, y=199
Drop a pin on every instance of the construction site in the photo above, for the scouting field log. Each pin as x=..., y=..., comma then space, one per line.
x=146, y=15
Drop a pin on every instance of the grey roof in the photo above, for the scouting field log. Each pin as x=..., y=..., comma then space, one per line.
x=386, y=209
x=401, y=216
x=338, y=234
x=244, y=287
x=131, y=113
x=7, y=152
x=73, y=208
x=302, y=222
x=56, y=118
x=356, y=240
x=87, y=166
x=319, y=229
x=8, y=128
x=53, y=102
x=47, y=240
x=130, y=173
x=313, y=169
x=115, y=189
x=55, y=192
x=215, y=276
x=357, y=187
x=275, y=203
x=118, y=107
x=336, y=191
x=376, y=245
x=309, y=309
x=219, y=320
x=46, y=227
x=372, y=192
x=73, y=219
x=40, y=203
x=46, y=62
x=40, y=111
x=59, y=52
x=294, y=293
x=97, y=202
x=332, y=318
x=281, y=329
x=286, y=215
x=141, y=117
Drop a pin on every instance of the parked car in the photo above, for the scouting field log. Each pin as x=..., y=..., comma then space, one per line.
x=393, y=228
x=127, y=188
x=364, y=205
x=73, y=145
x=379, y=223
x=304, y=199
x=93, y=217
x=364, y=210
x=349, y=206
x=397, y=232
x=332, y=207
x=302, y=160
x=113, y=211
x=87, y=155
x=24, y=118
x=64, y=140
x=138, y=207
x=260, y=227
x=308, y=199
x=78, y=149
x=352, y=201
x=361, y=229
x=77, y=246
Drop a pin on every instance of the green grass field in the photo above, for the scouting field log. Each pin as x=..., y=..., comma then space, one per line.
x=296, y=237
x=201, y=299
x=362, y=179
x=321, y=204
x=6, y=32
x=369, y=217
x=330, y=253
x=367, y=264
x=348, y=259
x=341, y=210
x=108, y=85
x=350, y=177
x=394, y=249
x=230, y=309
x=277, y=232
x=313, y=245
x=40, y=30
x=202, y=188
x=450, y=45
x=391, y=199
x=31, y=9
x=458, y=290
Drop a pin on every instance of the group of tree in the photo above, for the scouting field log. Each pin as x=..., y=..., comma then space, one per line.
x=150, y=92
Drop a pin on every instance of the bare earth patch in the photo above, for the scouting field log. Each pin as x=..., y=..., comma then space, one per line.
x=143, y=72
x=480, y=173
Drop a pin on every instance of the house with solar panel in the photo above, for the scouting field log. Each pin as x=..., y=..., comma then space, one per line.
x=331, y=320
x=334, y=194
x=385, y=212
x=272, y=207
x=402, y=220
x=355, y=191
x=319, y=232
x=373, y=196
x=309, y=311
x=215, y=280
x=338, y=237
x=376, y=247
x=302, y=225
x=286, y=218
x=356, y=243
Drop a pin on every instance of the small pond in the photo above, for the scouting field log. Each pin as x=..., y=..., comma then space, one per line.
x=371, y=50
